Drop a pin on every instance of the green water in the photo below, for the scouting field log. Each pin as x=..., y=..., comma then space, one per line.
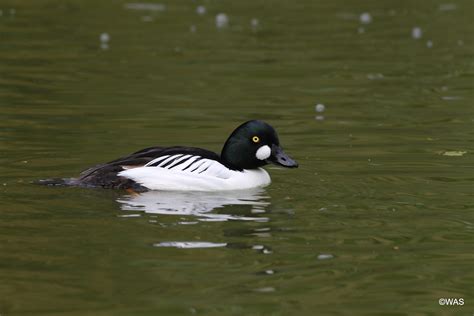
x=378, y=219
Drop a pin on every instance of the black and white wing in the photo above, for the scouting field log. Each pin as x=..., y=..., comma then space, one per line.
x=178, y=159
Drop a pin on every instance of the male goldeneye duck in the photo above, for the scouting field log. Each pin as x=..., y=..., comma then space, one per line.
x=249, y=147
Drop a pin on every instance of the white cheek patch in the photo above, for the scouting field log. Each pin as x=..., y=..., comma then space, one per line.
x=263, y=152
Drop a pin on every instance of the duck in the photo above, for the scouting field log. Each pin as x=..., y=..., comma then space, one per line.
x=249, y=147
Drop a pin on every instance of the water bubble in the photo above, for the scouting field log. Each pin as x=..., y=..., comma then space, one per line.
x=201, y=10
x=269, y=272
x=365, y=18
x=416, y=32
x=447, y=7
x=189, y=244
x=454, y=153
x=104, y=37
x=451, y=98
x=104, y=41
x=129, y=215
x=325, y=256
x=320, y=107
x=429, y=44
x=267, y=251
x=254, y=23
x=147, y=18
x=267, y=289
x=193, y=29
x=146, y=6
x=222, y=20
x=375, y=76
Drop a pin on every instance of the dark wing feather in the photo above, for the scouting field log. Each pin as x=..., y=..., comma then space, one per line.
x=138, y=158
x=105, y=175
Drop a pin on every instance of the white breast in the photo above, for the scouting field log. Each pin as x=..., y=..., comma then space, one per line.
x=194, y=173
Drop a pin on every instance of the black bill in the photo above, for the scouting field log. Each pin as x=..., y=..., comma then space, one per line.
x=280, y=158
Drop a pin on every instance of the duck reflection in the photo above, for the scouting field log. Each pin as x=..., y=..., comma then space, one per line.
x=201, y=204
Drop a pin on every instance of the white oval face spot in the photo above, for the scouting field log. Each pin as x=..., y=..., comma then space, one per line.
x=263, y=152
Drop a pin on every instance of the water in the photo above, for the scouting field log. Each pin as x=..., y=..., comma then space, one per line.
x=378, y=219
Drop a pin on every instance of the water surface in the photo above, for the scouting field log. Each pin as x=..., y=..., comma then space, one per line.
x=377, y=220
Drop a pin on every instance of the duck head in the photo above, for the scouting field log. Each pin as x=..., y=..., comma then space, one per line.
x=252, y=145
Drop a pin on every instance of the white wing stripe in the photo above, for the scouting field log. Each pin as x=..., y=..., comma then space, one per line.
x=205, y=166
x=199, y=165
x=164, y=162
x=179, y=161
x=156, y=160
x=188, y=162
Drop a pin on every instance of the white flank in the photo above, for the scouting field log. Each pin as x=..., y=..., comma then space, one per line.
x=263, y=152
x=199, y=175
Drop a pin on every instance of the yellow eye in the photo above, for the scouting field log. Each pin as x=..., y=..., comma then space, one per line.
x=255, y=139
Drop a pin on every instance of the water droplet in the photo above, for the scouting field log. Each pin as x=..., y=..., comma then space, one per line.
x=365, y=18
x=188, y=223
x=201, y=10
x=447, y=7
x=254, y=23
x=104, y=37
x=265, y=289
x=146, y=6
x=189, y=244
x=454, y=153
x=320, y=107
x=269, y=272
x=222, y=20
x=325, y=256
x=451, y=98
x=192, y=28
x=376, y=76
x=429, y=44
x=147, y=18
x=416, y=32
